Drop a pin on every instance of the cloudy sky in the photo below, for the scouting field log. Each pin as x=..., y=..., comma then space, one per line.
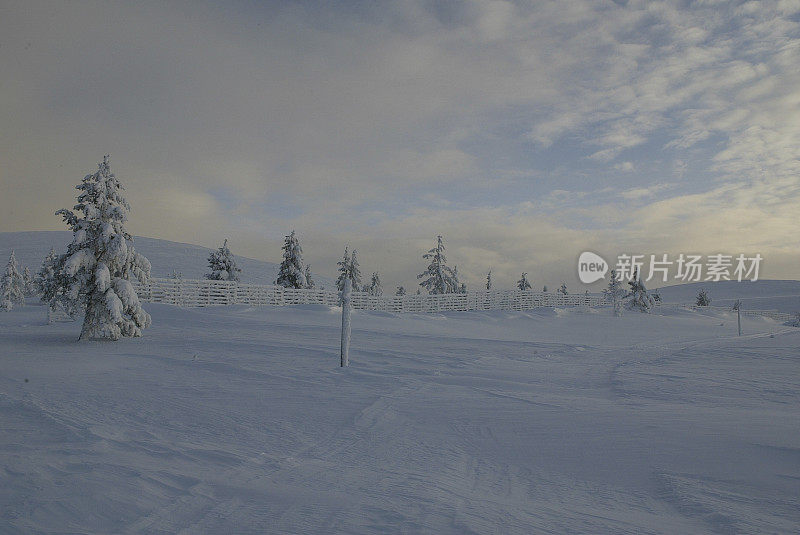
x=524, y=132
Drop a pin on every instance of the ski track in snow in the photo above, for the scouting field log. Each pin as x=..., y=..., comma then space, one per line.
x=238, y=420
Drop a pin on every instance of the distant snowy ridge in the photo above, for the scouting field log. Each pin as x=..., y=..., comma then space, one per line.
x=165, y=256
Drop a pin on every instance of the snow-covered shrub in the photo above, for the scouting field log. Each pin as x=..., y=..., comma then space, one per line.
x=637, y=296
x=401, y=291
x=96, y=272
x=223, y=265
x=563, y=289
x=12, y=285
x=489, y=280
x=703, y=300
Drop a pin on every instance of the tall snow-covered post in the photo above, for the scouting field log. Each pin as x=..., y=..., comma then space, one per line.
x=347, y=307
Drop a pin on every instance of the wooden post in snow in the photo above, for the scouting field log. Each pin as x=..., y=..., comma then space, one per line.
x=347, y=307
x=737, y=306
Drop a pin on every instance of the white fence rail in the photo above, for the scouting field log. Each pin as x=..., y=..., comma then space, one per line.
x=773, y=314
x=203, y=293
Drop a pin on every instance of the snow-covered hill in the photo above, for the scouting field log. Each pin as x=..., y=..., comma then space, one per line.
x=165, y=256
x=782, y=295
x=239, y=420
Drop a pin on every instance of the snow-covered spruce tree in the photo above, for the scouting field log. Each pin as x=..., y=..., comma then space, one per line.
x=12, y=286
x=27, y=282
x=523, y=283
x=438, y=278
x=222, y=265
x=544, y=288
x=489, y=280
x=637, y=296
x=703, y=300
x=375, y=286
x=309, y=279
x=615, y=293
x=355, y=271
x=46, y=275
x=563, y=289
x=344, y=270
x=96, y=272
x=349, y=269
x=401, y=291
x=292, y=273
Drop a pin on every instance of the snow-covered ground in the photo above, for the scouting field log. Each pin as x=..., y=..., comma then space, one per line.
x=238, y=420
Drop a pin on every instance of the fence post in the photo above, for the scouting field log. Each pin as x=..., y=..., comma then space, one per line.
x=737, y=306
x=347, y=295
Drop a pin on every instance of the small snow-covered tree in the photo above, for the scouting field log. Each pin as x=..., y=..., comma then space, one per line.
x=344, y=270
x=46, y=275
x=400, y=291
x=375, y=287
x=489, y=280
x=100, y=263
x=27, y=282
x=292, y=272
x=438, y=278
x=614, y=293
x=703, y=300
x=637, y=296
x=544, y=288
x=563, y=289
x=309, y=279
x=223, y=265
x=12, y=286
x=523, y=283
x=349, y=269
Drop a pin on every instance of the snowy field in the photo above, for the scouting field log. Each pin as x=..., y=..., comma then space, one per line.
x=238, y=420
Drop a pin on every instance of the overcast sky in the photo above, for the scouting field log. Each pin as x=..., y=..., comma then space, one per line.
x=525, y=133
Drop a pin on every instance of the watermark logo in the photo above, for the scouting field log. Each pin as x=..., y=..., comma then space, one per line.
x=662, y=268
x=591, y=267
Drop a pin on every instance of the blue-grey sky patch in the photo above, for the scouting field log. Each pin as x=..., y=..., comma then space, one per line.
x=523, y=132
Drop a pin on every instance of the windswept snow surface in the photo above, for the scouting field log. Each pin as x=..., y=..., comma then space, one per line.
x=238, y=420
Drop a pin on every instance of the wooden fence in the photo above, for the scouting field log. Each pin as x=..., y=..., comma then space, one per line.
x=204, y=293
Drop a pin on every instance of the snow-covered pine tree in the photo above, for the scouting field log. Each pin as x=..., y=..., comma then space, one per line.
x=348, y=269
x=563, y=289
x=12, y=286
x=463, y=288
x=355, y=272
x=523, y=283
x=614, y=293
x=309, y=279
x=344, y=270
x=375, y=287
x=489, y=280
x=27, y=282
x=544, y=288
x=703, y=300
x=292, y=273
x=401, y=291
x=637, y=296
x=46, y=275
x=455, y=284
x=223, y=265
x=438, y=278
x=96, y=272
